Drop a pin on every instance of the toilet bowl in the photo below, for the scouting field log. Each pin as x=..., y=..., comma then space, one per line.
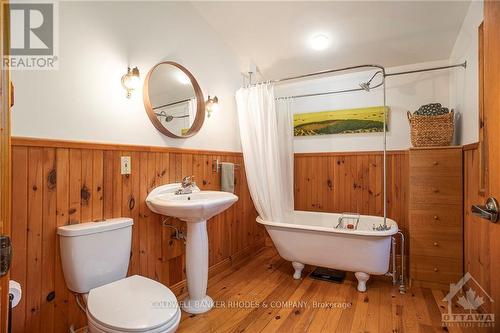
x=133, y=304
x=95, y=258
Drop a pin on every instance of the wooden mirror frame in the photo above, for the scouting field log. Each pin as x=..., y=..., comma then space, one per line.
x=200, y=103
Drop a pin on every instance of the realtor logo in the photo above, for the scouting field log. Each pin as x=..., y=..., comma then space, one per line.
x=33, y=36
x=464, y=309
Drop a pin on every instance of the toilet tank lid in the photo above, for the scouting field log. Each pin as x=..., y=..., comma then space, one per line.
x=88, y=228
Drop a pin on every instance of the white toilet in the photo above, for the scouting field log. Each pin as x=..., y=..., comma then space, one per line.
x=95, y=258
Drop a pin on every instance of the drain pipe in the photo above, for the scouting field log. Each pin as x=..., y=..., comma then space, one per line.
x=402, y=286
x=179, y=235
x=393, y=265
x=394, y=273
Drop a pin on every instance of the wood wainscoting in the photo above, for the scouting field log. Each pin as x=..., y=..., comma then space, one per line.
x=57, y=182
x=61, y=182
x=353, y=182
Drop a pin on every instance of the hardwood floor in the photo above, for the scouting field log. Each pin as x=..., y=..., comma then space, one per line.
x=260, y=295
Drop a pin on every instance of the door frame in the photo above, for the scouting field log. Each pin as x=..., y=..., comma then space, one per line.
x=492, y=120
x=5, y=156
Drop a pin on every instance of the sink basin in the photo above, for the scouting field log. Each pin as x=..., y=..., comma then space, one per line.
x=194, y=208
x=197, y=206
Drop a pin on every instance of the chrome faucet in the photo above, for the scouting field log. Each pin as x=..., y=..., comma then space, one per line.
x=187, y=185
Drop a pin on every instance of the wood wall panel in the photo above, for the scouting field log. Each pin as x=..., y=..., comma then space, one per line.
x=66, y=183
x=476, y=230
x=353, y=182
x=61, y=183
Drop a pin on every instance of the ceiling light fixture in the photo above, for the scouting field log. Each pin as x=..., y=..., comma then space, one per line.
x=183, y=78
x=319, y=42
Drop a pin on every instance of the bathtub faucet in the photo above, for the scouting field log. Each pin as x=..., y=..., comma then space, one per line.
x=382, y=227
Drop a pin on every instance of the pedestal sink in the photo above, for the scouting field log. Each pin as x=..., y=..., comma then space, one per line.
x=194, y=208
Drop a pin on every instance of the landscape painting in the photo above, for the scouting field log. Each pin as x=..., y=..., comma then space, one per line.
x=360, y=120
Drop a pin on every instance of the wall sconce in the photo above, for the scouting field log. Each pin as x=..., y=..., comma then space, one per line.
x=131, y=80
x=212, y=104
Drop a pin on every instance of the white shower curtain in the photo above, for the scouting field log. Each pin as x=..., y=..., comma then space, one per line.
x=266, y=131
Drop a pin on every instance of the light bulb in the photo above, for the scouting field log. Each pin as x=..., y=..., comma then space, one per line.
x=319, y=42
x=211, y=105
x=131, y=80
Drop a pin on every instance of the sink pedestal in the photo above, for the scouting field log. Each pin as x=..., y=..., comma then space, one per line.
x=195, y=208
x=197, y=268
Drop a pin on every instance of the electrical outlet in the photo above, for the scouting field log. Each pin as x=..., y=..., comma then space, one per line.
x=126, y=163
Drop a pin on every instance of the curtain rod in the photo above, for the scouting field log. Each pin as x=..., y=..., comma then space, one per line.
x=173, y=103
x=464, y=65
x=382, y=70
x=328, y=71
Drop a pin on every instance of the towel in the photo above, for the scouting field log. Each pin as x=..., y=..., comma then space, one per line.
x=227, y=177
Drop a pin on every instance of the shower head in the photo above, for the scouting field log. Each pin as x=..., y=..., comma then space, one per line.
x=365, y=86
x=168, y=117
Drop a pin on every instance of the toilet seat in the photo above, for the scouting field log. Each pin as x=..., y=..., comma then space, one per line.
x=133, y=304
x=170, y=327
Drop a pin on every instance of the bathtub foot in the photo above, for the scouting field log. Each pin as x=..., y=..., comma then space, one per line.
x=362, y=278
x=298, y=269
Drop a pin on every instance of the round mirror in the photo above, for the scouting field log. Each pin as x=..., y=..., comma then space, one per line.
x=173, y=100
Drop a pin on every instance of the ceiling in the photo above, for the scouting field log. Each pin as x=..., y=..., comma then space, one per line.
x=275, y=35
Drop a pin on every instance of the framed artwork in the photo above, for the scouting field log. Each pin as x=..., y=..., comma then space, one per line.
x=347, y=121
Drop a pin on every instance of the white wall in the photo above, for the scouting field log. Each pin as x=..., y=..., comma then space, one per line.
x=84, y=99
x=464, y=88
x=404, y=93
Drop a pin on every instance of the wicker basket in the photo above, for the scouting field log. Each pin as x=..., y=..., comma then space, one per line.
x=428, y=131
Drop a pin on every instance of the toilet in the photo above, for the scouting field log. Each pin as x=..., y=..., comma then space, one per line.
x=95, y=258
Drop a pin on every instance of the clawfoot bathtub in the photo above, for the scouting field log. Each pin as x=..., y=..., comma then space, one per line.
x=311, y=238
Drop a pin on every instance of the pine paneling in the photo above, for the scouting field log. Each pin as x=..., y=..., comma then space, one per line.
x=57, y=183
x=64, y=183
x=353, y=182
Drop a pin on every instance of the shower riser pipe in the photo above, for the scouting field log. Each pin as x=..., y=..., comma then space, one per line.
x=393, y=273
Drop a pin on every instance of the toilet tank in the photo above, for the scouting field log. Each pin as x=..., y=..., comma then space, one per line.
x=95, y=253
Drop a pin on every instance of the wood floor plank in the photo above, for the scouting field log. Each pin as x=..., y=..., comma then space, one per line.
x=302, y=314
x=410, y=319
x=267, y=278
x=253, y=299
x=385, y=321
x=347, y=317
x=259, y=317
x=235, y=298
x=336, y=305
x=364, y=316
